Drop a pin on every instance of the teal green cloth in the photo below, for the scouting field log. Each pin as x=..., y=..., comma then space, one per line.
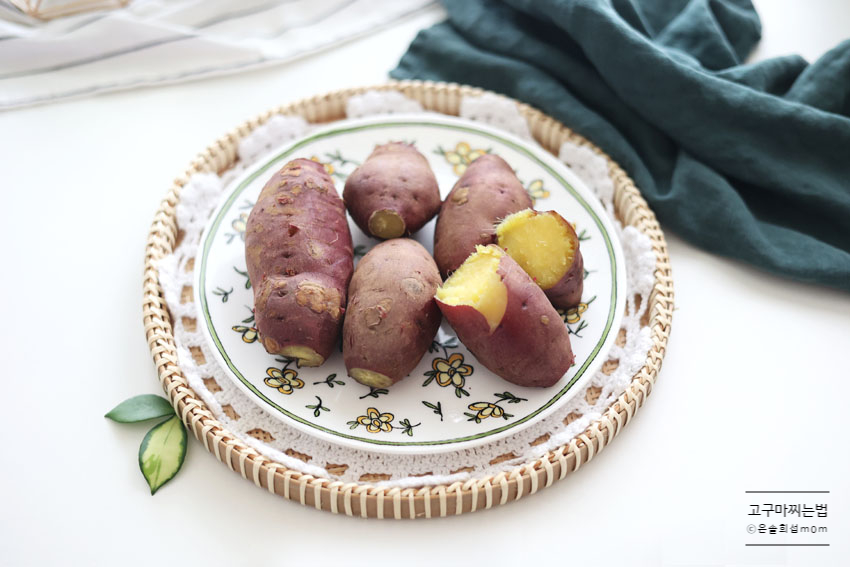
x=751, y=161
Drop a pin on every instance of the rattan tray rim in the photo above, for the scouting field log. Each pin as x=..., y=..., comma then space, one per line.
x=370, y=500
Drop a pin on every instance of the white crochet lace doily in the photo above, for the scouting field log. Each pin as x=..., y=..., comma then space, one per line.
x=304, y=453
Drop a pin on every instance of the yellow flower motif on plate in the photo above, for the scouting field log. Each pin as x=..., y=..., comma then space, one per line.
x=461, y=156
x=573, y=314
x=328, y=167
x=451, y=371
x=249, y=334
x=376, y=421
x=483, y=410
x=285, y=382
x=536, y=190
x=240, y=223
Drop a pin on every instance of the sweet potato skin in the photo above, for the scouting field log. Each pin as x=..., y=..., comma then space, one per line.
x=300, y=259
x=566, y=293
x=487, y=192
x=397, y=178
x=392, y=315
x=530, y=346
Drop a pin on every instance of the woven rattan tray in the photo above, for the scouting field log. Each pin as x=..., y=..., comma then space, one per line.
x=364, y=499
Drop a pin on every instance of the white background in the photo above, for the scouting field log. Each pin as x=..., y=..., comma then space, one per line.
x=752, y=395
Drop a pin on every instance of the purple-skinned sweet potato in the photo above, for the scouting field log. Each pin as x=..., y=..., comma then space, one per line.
x=547, y=248
x=300, y=260
x=394, y=193
x=505, y=319
x=392, y=316
x=486, y=193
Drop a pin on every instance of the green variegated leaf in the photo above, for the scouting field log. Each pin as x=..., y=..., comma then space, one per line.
x=162, y=452
x=141, y=408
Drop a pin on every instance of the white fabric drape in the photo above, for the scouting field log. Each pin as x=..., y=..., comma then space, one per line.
x=165, y=41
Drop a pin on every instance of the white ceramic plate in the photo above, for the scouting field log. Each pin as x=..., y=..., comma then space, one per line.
x=428, y=411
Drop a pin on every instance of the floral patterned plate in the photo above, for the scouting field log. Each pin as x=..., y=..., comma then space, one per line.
x=449, y=401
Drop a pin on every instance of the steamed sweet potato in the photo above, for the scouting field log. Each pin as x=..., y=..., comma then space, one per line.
x=547, y=248
x=300, y=260
x=487, y=192
x=394, y=193
x=505, y=320
x=392, y=315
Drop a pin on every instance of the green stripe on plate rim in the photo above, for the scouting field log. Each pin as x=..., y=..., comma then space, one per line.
x=345, y=130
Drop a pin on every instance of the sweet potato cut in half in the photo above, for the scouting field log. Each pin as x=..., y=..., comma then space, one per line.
x=547, y=248
x=487, y=192
x=505, y=319
x=477, y=284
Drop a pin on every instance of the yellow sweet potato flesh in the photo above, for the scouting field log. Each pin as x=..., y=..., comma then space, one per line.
x=487, y=192
x=305, y=355
x=528, y=346
x=371, y=378
x=386, y=224
x=540, y=243
x=477, y=283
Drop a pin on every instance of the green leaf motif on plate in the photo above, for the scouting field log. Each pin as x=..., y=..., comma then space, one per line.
x=330, y=381
x=141, y=408
x=223, y=293
x=317, y=408
x=336, y=158
x=162, y=452
x=407, y=427
x=438, y=408
x=375, y=392
x=244, y=274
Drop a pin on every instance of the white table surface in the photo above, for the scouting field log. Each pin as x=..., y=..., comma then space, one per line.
x=751, y=396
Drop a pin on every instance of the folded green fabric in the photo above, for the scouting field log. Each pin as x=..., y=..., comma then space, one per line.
x=748, y=161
